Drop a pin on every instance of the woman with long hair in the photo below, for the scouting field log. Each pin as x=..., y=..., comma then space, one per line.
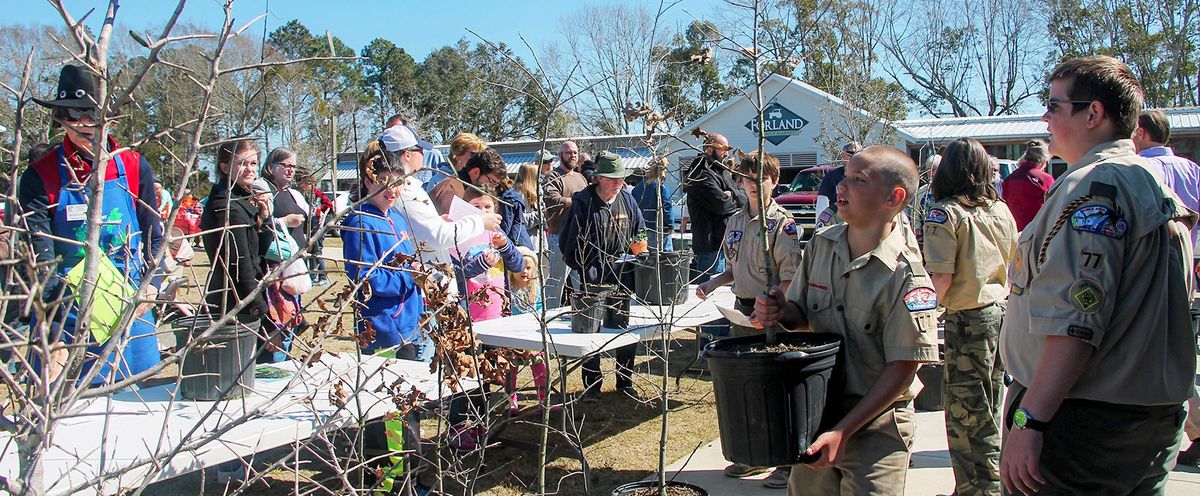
x=970, y=240
x=237, y=234
x=527, y=185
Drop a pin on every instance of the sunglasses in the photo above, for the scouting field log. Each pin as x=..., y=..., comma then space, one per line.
x=76, y=115
x=1052, y=104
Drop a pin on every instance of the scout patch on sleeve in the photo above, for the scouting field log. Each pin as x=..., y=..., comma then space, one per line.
x=734, y=237
x=790, y=228
x=936, y=216
x=920, y=299
x=1086, y=296
x=1099, y=219
x=824, y=218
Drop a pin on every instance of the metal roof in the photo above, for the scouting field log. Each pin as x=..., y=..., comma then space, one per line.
x=988, y=128
x=1184, y=120
x=636, y=159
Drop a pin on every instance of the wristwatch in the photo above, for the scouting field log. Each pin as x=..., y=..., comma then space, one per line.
x=1022, y=419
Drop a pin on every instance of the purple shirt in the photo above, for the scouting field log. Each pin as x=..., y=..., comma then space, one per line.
x=1179, y=174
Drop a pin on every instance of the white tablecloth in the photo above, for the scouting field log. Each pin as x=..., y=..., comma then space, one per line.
x=135, y=426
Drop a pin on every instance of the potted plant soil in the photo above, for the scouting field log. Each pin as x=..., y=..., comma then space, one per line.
x=650, y=488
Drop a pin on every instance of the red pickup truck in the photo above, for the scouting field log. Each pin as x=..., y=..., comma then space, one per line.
x=800, y=197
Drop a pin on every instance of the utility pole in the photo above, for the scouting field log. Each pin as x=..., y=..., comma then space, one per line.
x=333, y=150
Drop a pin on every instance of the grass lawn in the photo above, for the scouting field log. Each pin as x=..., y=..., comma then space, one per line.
x=620, y=435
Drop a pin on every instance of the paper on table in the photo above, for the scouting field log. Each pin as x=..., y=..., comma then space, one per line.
x=735, y=316
x=460, y=209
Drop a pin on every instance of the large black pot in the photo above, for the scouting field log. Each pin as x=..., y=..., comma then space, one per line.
x=616, y=310
x=222, y=363
x=662, y=278
x=588, y=309
x=625, y=489
x=770, y=405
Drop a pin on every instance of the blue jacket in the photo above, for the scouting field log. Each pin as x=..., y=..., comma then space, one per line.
x=648, y=199
x=511, y=208
x=595, y=234
x=395, y=304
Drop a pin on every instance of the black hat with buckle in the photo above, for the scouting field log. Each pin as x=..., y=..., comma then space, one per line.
x=76, y=89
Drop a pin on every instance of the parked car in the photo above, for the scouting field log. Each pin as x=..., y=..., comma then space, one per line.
x=800, y=197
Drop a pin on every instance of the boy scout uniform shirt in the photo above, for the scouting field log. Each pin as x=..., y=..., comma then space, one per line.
x=882, y=303
x=743, y=247
x=830, y=217
x=1099, y=264
x=975, y=244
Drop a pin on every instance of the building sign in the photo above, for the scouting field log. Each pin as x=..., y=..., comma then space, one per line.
x=781, y=123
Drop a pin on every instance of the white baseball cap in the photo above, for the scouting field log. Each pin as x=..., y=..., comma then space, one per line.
x=400, y=138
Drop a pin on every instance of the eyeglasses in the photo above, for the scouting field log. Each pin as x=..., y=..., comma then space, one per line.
x=1052, y=104
x=76, y=115
x=415, y=149
x=286, y=166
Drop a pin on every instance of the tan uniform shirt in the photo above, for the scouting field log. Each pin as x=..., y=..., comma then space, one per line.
x=1099, y=263
x=831, y=218
x=743, y=248
x=882, y=303
x=919, y=209
x=975, y=244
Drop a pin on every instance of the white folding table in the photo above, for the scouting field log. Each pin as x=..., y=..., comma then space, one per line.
x=645, y=322
x=109, y=435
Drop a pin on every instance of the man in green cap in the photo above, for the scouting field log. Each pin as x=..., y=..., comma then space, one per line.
x=604, y=224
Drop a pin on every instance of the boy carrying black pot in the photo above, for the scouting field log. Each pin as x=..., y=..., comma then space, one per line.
x=863, y=280
x=747, y=270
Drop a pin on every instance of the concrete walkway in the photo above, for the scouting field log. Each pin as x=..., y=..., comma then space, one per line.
x=930, y=473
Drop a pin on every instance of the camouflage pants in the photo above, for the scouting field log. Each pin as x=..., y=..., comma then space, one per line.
x=974, y=381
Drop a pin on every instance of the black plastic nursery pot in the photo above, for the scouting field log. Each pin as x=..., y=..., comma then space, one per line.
x=628, y=489
x=662, y=278
x=616, y=310
x=588, y=309
x=224, y=359
x=770, y=405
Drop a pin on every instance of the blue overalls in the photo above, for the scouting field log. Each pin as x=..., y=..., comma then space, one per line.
x=121, y=241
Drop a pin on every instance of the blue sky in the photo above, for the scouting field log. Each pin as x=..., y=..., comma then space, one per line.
x=418, y=26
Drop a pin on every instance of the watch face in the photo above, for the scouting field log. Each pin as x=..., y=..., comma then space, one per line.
x=1019, y=418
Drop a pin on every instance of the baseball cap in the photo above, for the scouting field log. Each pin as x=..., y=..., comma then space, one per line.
x=400, y=138
x=609, y=164
x=852, y=148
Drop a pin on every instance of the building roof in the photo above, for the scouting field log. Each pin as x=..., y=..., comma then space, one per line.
x=986, y=128
x=1184, y=120
x=636, y=159
x=743, y=95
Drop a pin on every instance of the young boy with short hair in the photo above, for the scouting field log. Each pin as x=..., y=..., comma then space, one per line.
x=746, y=267
x=862, y=280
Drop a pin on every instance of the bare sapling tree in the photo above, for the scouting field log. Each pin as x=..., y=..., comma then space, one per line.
x=53, y=386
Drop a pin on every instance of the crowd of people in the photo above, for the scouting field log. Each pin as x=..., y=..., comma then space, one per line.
x=1068, y=287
